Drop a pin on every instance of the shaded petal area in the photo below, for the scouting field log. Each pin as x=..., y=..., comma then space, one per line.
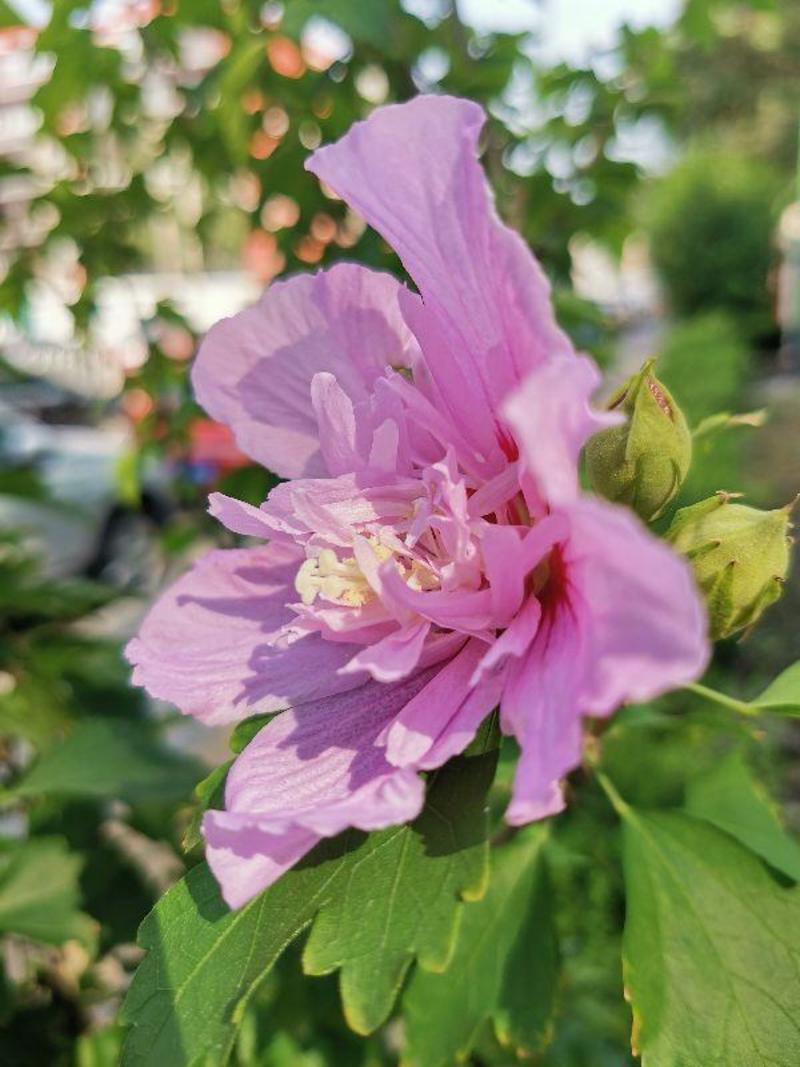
x=254, y=370
x=214, y=644
x=486, y=320
x=310, y=773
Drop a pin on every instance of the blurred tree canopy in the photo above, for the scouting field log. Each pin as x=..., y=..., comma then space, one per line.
x=174, y=136
x=712, y=222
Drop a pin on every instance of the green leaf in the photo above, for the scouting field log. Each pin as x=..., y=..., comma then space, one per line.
x=110, y=758
x=39, y=893
x=731, y=799
x=504, y=967
x=711, y=948
x=783, y=694
x=244, y=731
x=209, y=793
x=204, y=962
x=399, y=898
x=378, y=901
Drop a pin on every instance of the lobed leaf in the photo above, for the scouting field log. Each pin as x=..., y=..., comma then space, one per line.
x=398, y=900
x=730, y=799
x=711, y=948
x=376, y=903
x=504, y=968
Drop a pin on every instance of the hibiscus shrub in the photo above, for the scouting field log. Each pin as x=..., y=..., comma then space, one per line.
x=451, y=669
x=479, y=805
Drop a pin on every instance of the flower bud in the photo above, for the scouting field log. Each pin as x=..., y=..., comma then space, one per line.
x=644, y=462
x=740, y=557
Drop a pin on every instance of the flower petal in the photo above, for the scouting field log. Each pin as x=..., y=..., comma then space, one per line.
x=468, y=611
x=310, y=773
x=213, y=644
x=254, y=370
x=539, y=706
x=238, y=516
x=411, y=171
x=394, y=656
x=552, y=421
x=647, y=623
x=337, y=424
x=335, y=509
x=514, y=641
x=442, y=719
x=626, y=625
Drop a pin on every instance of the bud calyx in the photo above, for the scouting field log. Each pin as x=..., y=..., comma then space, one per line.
x=740, y=556
x=644, y=462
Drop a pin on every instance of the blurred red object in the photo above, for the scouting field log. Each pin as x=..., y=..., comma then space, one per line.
x=212, y=446
x=285, y=57
x=262, y=257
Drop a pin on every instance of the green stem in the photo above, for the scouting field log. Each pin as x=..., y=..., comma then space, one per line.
x=618, y=804
x=720, y=698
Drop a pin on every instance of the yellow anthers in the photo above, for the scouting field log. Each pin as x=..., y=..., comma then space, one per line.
x=342, y=581
x=420, y=577
x=337, y=580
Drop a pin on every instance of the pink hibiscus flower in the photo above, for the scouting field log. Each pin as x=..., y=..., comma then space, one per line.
x=431, y=557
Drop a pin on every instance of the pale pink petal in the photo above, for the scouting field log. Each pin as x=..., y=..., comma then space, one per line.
x=385, y=446
x=648, y=626
x=394, y=656
x=411, y=171
x=501, y=547
x=623, y=623
x=245, y=858
x=434, y=431
x=214, y=644
x=455, y=390
x=494, y=495
x=552, y=420
x=336, y=423
x=310, y=773
x=469, y=612
x=514, y=641
x=443, y=718
x=239, y=517
x=539, y=706
x=254, y=370
x=333, y=510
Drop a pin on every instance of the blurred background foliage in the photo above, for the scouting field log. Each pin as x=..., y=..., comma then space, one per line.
x=160, y=146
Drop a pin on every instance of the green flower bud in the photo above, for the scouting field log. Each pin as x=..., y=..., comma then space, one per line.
x=643, y=463
x=740, y=556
